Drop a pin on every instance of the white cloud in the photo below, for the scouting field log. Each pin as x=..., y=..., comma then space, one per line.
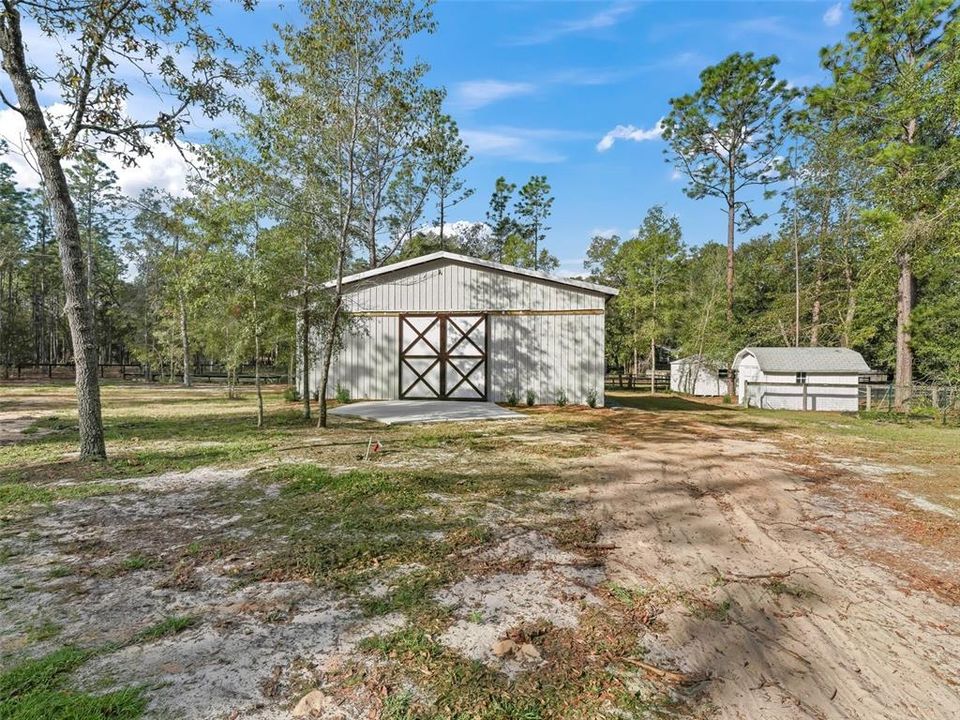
x=525, y=144
x=165, y=168
x=629, y=132
x=833, y=15
x=605, y=18
x=474, y=94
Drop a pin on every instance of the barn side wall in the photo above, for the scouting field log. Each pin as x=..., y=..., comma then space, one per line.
x=544, y=337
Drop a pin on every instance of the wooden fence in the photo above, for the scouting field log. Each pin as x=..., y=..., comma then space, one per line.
x=939, y=399
x=641, y=381
x=134, y=371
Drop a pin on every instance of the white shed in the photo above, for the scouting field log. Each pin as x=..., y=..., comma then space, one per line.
x=791, y=378
x=454, y=327
x=698, y=375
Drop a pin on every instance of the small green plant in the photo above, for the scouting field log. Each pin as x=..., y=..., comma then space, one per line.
x=512, y=398
x=475, y=616
x=531, y=398
x=592, y=397
x=727, y=400
x=137, y=561
x=561, y=397
x=291, y=394
x=44, y=631
x=342, y=394
x=170, y=625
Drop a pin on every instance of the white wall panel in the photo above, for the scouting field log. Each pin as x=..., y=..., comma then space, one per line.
x=536, y=347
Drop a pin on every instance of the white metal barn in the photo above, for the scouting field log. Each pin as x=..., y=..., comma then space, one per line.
x=790, y=378
x=454, y=327
x=698, y=375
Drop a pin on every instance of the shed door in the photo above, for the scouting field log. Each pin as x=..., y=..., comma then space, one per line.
x=443, y=356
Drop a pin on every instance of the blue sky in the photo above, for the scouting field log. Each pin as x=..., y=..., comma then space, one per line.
x=535, y=86
x=570, y=90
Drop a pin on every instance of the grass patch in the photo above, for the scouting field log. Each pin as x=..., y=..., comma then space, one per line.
x=583, y=678
x=343, y=530
x=138, y=561
x=36, y=690
x=171, y=625
x=43, y=631
x=19, y=494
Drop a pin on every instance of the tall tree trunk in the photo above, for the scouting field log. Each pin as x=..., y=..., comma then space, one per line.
x=256, y=327
x=796, y=290
x=731, y=235
x=817, y=309
x=653, y=366
x=906, y=290
x=442, y=220
x=67, y=232
x=184, y=339
x=305, y=353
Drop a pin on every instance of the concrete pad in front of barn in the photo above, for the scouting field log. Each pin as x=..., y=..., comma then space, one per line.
x=407, y=412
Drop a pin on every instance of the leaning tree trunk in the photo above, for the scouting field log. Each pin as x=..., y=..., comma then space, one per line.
x=906, y=290
x=67, y=232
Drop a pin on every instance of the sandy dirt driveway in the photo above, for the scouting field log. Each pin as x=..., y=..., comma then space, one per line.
x=759, y=570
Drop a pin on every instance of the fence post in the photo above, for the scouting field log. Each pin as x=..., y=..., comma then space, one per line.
x=804, y=396
x=869, y=389
x=935, y=396
x=889, y=398
x=745, y=400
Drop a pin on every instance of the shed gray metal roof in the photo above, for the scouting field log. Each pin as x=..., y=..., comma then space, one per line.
x=467, y=260
x=806, y=359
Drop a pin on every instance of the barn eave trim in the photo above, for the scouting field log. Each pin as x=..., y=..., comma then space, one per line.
x=476, y=262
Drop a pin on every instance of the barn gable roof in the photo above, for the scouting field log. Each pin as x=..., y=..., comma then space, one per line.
x=448, y=257
x=806, y=359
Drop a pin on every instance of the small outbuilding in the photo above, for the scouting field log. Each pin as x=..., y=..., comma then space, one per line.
x=452, y=327
x=698, y=375
x=794, y=378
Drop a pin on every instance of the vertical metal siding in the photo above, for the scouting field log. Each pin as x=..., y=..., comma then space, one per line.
x=542, y=352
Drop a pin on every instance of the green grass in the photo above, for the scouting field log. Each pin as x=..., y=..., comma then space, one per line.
x=171, y=625
x=36, y=690
x=582, y=679
x=43, y=631
x=343, y=530
x=137, y=561
x=19, y=494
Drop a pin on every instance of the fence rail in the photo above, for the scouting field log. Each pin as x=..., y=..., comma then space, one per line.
x=135, y=371
x=641, y=381
x=941, y=399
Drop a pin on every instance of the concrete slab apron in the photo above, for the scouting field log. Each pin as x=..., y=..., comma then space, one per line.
x=398, y=412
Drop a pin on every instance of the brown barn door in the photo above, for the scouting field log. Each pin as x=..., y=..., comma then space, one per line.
x=443, y=357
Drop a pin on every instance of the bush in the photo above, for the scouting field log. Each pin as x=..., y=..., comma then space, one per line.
x=727, y=399
x=531, y=398
x=561, y=397
x=592, y=397
x=342, y=394
x=512, y=398
x=291, y=394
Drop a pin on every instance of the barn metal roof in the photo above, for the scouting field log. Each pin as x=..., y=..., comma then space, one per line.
x=467, y=260
x=805, y=359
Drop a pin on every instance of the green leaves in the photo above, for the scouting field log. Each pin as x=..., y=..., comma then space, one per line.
x=727, y=135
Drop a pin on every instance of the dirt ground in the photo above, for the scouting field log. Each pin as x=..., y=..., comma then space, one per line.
x=681, y=562
x=810, y=627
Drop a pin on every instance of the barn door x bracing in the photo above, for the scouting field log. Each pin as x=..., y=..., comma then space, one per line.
x=443, y=356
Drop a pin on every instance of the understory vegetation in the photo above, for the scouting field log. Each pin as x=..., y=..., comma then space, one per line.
x=438, y=508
